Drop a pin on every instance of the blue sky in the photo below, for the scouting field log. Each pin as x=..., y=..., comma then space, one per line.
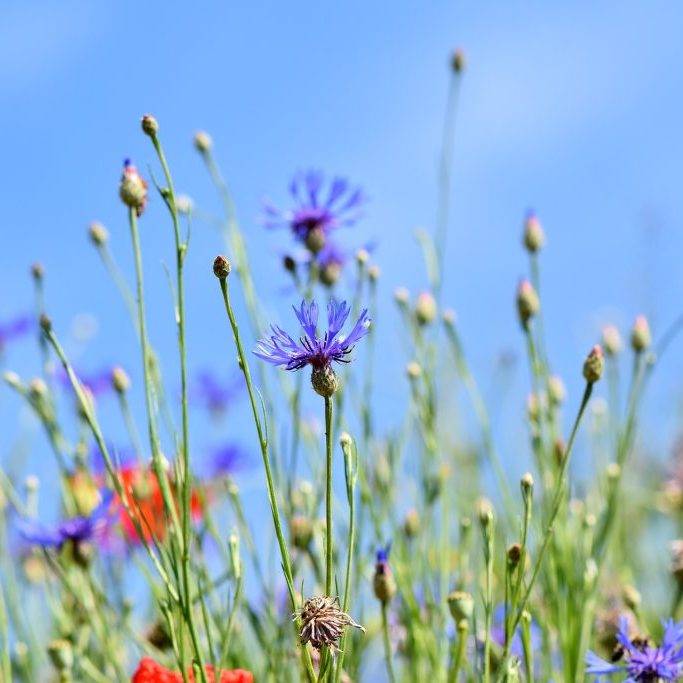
x=572, y=109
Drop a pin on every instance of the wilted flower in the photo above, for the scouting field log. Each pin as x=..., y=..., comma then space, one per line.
x=149, y=671
x=317, y=212
x=323, y=623
x=318, y=352
x=642, y=662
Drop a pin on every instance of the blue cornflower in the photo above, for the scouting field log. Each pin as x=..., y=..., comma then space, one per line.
x=644, y=663
x=215, y=394
x=317, y=211
x=78, y=530
x=318, y=352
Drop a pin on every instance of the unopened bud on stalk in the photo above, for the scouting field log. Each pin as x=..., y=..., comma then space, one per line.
x=37, y=388
x=61, y=655
x=401, y=296
x=300, y=531
x=329, y=274
x=611, y=340
x=236, y=564
x=149, y=125
x=559, y=449
x=374, y=272
x=448, y=317
x=12, y=379
x=98, y=233
x=315, y=240
x=202, y=142
x=413, y=370
x=533, y=408
x=631, y=597
x=640, y=335
x=31, y=484
x=345, y=440
x=37, y=271
x=362, y=256
x=556, y=390
x=514, y=555
x=221, y=267
x=460, y=605
x=594, y=365
x=289, y=264
x=411, y=523
x=458, y=60
x=45, y=323
x=184, y=204
x=485, y=512
x=527, y=485
x=613, y=471
x=133, y=189
x=425, y=308
x=528, y=303
x=383, y=582
x=533, y=233
x=120, y=380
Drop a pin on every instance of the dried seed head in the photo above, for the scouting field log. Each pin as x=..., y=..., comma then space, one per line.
x=323, y=623
x=640, y=335
x=594, y=365
x=202, y=142
x=149, y=125
x=324, y=381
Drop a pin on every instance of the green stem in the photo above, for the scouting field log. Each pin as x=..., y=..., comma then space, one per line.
x=387, y=644
x=459, y=646
x=328, y=496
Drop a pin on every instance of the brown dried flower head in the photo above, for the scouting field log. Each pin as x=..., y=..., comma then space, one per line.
x=323, y=622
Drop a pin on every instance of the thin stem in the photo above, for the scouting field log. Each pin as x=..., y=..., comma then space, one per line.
x=328, y=496
x=387, y=644
x=459, y=648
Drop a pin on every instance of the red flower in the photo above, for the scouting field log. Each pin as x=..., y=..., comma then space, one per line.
x=143, y=495
x=149, y=671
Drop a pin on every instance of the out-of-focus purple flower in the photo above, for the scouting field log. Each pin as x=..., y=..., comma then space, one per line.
x=318, y=352
x=642, y=662
x=215, y=395
x=98, y=383
x=516, y=646
x=318, y=209
x=17, y=327
x=81, y=529
x=227, y=459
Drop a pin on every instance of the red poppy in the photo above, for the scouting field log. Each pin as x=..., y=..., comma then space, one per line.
x=149, y=671
x=143, y=495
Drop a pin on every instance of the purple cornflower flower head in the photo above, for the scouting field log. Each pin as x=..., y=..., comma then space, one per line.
x=383, y=554
x=78, y=530
x=14, y=328
x=317, y=211
x=217, y=396
x=642, y=662
x=384, y=583
x=226, y=459
x=318, y=352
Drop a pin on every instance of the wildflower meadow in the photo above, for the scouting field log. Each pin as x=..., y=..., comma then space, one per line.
x=350, y=490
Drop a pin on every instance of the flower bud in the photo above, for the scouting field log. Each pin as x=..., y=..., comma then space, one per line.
x=37, y=271
x=528, y=304
x=120, y=380
x=362, y=256
x=324, y=381
x=485, y=512
x=329, y=273
x=184, y=204
x=133, y=189
x=300, y=531
x=221, y=267
x=514, y=555
x=149, y=125
x=98, y=233
x=401, y=296
x=640, y=335
x=384, y=583
x=45, y=323
x=202, y=142
x=345, y=440
x=425, y=308
x=315, y=240
x=461, y=605
x=631, y=597
x=533, y=233
x=611, y=340
x=61, y=655
x=594, y=365
x=289, y=264
x=37, y=388
x=374, y=272
x=448, y=317
x=12, y=379
x=556, y=390
x=411, y=523
x=458, y=60
x=413, y=370
x=527, y=485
